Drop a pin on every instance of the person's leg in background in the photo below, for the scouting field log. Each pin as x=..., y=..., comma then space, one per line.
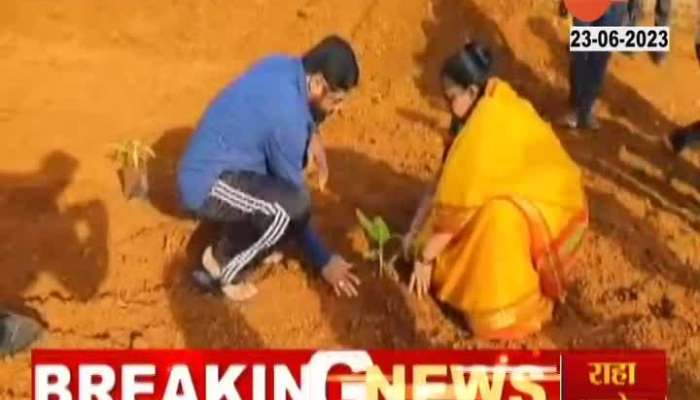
x=587, y=74
x=635, y=12
x=597, y=66
x=662, y=12
x=256, y=212
x=578, y=76
x=662, y=17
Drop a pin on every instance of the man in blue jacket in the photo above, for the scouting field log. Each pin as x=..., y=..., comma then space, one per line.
x=244, y=167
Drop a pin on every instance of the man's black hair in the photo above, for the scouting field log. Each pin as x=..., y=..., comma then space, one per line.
x=335, y=59
x=470, y=66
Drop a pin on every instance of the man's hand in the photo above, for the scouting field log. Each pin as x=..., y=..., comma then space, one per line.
x=337, y=274
x=420, y=279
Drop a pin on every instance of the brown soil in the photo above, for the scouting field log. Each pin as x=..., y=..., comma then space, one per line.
x=103, y=272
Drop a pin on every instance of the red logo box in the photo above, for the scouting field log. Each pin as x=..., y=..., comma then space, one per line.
x=619, y=375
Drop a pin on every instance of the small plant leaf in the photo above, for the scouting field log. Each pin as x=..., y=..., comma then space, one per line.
x=382, y=230
x=131, y=153
x=376, y=234
x=365, y=223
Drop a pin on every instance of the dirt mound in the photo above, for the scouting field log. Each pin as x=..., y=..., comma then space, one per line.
x=102, y=272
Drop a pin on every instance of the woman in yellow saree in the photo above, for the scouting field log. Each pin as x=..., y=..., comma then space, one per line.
x=496, y=237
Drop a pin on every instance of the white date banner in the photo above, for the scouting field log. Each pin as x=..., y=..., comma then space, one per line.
x=620, y=38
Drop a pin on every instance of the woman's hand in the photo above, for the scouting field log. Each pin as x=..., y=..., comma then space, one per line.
x=420, y=279
x=422, y=271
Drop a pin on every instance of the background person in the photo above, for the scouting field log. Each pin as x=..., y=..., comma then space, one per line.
x=662, y=17
x=587, y=73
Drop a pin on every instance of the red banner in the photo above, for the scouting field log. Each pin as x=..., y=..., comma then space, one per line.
x=348, y=375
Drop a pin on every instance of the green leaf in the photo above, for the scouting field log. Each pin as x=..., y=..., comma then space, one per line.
x=382, y=230
x=365, y=223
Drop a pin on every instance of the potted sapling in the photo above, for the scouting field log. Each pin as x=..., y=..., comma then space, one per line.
x=133, y=156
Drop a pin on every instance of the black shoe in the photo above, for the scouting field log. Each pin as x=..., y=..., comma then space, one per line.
x=589, y=122
x=585, y=122
x=678, y=142
x=205, y=282
x=17, y=333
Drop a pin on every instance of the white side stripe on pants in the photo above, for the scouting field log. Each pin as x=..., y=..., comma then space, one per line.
x=271, y=236
x=249, y=204
x=244, y=201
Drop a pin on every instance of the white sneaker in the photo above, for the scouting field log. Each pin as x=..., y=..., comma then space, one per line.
x=240, y=291
x=210, y=264
x=275, y=258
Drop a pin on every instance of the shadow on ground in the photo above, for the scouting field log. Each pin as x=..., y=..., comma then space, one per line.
x=39, y=236
x=206, y=321
x=162, y=172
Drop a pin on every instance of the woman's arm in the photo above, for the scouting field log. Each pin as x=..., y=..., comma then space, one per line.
x=423, y=210
x=423, y=266
x=418, y=221
x=435, y=245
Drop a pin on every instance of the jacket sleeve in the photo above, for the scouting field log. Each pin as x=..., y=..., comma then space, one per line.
x=314, y=248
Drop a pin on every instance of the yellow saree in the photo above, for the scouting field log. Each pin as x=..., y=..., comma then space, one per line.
x=514, y=201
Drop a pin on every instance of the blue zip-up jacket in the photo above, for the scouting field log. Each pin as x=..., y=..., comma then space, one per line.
x=261, y=123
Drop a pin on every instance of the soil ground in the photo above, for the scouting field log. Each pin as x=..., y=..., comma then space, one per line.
x=102, y=272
